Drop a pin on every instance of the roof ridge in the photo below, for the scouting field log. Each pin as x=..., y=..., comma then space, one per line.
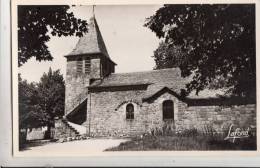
x=154, y=70
x=100, y=40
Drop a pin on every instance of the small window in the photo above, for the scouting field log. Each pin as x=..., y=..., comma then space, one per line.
x=87, y=65
x=79, y=65
x=130, y=111
x=168, y=110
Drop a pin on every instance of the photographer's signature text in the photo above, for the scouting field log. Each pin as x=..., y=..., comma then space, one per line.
x=237, y=133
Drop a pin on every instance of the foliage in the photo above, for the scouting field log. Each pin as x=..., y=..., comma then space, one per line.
x=51, y=91
x=40, y=102
x=218, y=42
x=189, y=139
x=168, y=56
x=34, y=23
x=30, y=115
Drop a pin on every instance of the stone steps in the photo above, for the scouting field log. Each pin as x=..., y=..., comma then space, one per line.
x=79, y=128
x=70, y=127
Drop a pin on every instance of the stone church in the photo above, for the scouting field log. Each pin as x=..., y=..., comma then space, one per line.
x=105, y=103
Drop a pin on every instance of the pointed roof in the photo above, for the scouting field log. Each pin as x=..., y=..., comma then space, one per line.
x=92, y=42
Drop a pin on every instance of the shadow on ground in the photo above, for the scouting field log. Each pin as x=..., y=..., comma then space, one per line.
x=34, y=143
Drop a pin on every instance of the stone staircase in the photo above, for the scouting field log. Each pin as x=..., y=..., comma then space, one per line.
x=64, y=128
x=67, y=123
x=79, y=128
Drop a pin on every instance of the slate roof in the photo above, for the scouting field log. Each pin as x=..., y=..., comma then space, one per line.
x=90, y=43
x=156, y=80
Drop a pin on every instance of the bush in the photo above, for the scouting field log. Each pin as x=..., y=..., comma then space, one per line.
x=187, y=139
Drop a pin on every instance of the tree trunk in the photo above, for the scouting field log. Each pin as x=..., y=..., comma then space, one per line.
x=22, y=138
x=48, y=132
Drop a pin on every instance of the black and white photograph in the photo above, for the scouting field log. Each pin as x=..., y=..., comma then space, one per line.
x=138, y=78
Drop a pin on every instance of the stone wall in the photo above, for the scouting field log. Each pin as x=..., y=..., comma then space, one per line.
x=63, y=130
x=218, y=117
x=36, y=133
x=107, y=114
x=95, y=68
x=75, y=86
x=77, y=83
x=155, y=114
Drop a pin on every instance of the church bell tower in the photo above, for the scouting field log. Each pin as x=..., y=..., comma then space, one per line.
x=89, y=61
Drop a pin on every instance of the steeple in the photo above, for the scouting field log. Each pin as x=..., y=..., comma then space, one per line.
x=87, y=62
x=92, y=42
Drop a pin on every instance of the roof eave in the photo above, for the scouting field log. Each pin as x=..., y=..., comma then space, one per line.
x=73, y=55
x=122, y=85
x=80, y=54
x=161, y=91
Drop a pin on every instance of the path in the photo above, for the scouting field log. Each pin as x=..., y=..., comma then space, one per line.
x=81, y=147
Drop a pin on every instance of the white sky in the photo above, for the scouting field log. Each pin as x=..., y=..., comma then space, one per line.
x=128, y=42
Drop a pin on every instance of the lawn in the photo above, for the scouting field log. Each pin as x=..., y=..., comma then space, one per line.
x=179, y=143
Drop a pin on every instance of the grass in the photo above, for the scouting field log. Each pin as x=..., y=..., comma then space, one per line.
x=193, y=141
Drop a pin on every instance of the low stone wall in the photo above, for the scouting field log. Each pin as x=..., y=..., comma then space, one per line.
x=36, y=133
x=219, y=118
x=63, y=130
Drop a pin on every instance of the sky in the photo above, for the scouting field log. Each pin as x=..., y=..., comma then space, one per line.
x=128, y=42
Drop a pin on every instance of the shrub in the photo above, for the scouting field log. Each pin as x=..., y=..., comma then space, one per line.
x=187, y=139
x=188, y=133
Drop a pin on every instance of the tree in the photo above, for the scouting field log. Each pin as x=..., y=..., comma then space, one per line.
x=51, y=93
x=30, y=114
x=168, y=56
x=218, y=41
x=34, y=23
x=40, y=103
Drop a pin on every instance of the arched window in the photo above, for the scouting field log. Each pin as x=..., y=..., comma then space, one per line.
x=168, y=110
x=130, y=111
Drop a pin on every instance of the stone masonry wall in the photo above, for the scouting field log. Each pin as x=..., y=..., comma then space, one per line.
x=155, y=114
x=63, y=130
x=106, y=114
x=108, y=117
x=75, y=87
x=217, y=117
x=95, y=68
x=77, y=83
